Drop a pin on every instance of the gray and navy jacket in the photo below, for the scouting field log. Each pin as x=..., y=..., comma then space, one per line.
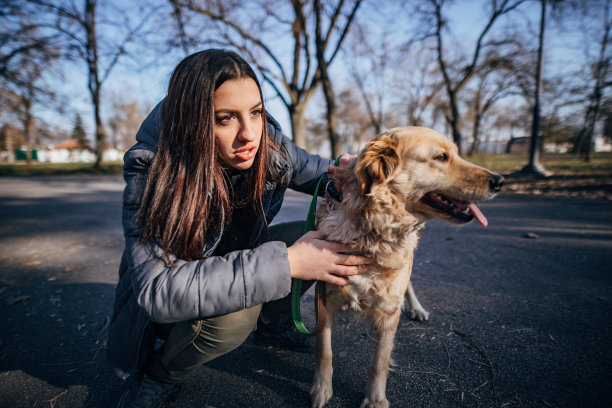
x=235, y=272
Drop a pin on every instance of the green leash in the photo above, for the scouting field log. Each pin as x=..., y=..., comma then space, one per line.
x=296, y=284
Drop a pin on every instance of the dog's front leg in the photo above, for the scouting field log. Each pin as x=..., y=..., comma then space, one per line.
x=379, y=371
x=321, y=390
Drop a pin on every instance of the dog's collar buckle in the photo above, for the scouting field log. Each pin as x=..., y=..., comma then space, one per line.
x=331, y=191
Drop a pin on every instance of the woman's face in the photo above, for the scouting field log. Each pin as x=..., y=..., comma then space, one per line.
x=238, y=122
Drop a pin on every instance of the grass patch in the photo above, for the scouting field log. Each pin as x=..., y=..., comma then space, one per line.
x=570, y=175
x=557, y=163
x=51, y=169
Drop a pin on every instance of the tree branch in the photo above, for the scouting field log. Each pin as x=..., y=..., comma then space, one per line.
x=247, y=36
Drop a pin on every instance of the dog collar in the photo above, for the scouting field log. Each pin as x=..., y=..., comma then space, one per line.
x=332, y=192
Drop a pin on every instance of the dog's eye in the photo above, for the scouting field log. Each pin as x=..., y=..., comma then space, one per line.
x=442, y=157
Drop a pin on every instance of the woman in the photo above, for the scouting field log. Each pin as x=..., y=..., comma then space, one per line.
x=204, y=181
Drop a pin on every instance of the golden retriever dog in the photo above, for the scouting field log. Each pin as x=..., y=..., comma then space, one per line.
x=399, y=181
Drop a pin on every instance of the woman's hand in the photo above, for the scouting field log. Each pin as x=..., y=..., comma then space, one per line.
x=313, y=258
x=344, y=160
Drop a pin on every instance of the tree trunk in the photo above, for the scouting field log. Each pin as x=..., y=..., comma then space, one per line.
x=328, y=92
x=586, y=134
x=332, y=119
x=100, y=135
x=95, y=86
x=453, y=121
x=28, y=128
x=475, y=135
x=298, y=123
x=534, y=167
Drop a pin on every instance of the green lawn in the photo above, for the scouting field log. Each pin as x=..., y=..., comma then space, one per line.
x=47, y=169
x=558, y=164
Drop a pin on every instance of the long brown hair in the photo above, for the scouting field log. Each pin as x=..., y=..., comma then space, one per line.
x=186, y=197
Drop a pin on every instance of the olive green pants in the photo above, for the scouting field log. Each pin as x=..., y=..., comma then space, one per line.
x=190, y=344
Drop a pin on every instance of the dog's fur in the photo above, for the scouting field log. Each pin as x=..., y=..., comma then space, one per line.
x=385, y=203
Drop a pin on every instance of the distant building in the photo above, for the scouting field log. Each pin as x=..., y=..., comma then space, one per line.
x=602, y=145
x=68, y=151
x=13, y=149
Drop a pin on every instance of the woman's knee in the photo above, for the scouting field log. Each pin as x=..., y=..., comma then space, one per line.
x=225, y=333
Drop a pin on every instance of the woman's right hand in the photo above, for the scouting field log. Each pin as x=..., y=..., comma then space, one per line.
x=313, y=258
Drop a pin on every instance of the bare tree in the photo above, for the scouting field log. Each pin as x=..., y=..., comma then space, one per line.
x=125, y=119
x=398, y=85
x=354, y=125
x=492, y=86
x=606, y=113
x=419, y=91
x=255, y=29
x=534, y=167
x=369, y=61
x=511, y=118
x=599, y=75
x=27, y=53
x=321, y=44
x=81, y=34
x=459, y=71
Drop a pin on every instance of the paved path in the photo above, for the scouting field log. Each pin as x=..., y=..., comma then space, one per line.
x=515, y=321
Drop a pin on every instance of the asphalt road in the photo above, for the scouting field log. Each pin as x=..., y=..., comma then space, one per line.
x=515, y=321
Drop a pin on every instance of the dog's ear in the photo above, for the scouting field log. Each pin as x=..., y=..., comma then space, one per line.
x=376, y=163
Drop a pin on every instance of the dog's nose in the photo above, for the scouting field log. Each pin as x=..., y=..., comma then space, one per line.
x=496, y=182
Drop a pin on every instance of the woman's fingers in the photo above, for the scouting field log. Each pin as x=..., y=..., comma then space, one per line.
x=353, y=260
x=313, y=258
x=338, y=277
x=350, y=270
x=339, y=247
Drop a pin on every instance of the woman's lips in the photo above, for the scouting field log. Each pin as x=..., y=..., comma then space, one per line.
x=246, y=153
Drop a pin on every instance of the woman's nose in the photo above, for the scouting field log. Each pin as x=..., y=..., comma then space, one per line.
x=246, y=131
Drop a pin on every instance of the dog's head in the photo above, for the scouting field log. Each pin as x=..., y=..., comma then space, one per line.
x=419, y=169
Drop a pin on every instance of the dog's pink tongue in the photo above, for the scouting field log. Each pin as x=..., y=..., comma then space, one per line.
x=478, y=214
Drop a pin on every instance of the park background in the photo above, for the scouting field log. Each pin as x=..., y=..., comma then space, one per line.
x=77, y=78
x=520, y=310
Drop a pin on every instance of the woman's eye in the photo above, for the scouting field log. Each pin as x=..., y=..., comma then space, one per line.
x=224, y=119
x=256, y=113
x=442, y=157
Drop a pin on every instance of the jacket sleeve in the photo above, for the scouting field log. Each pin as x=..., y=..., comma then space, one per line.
x=192, y=290
x=209, y=287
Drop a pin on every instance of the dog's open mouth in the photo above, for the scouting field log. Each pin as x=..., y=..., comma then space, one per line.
x=458, y=211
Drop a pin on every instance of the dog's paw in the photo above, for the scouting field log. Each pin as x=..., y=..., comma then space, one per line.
x=320, y=394
x=370, y=403
x=419, y=314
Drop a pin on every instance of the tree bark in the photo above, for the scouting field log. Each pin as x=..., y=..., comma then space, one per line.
x=585, y=140
x=534, y=167
x=298, y=123
x=28, y=127
x=94, y=79
x=475, y=134
x=328, y=92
